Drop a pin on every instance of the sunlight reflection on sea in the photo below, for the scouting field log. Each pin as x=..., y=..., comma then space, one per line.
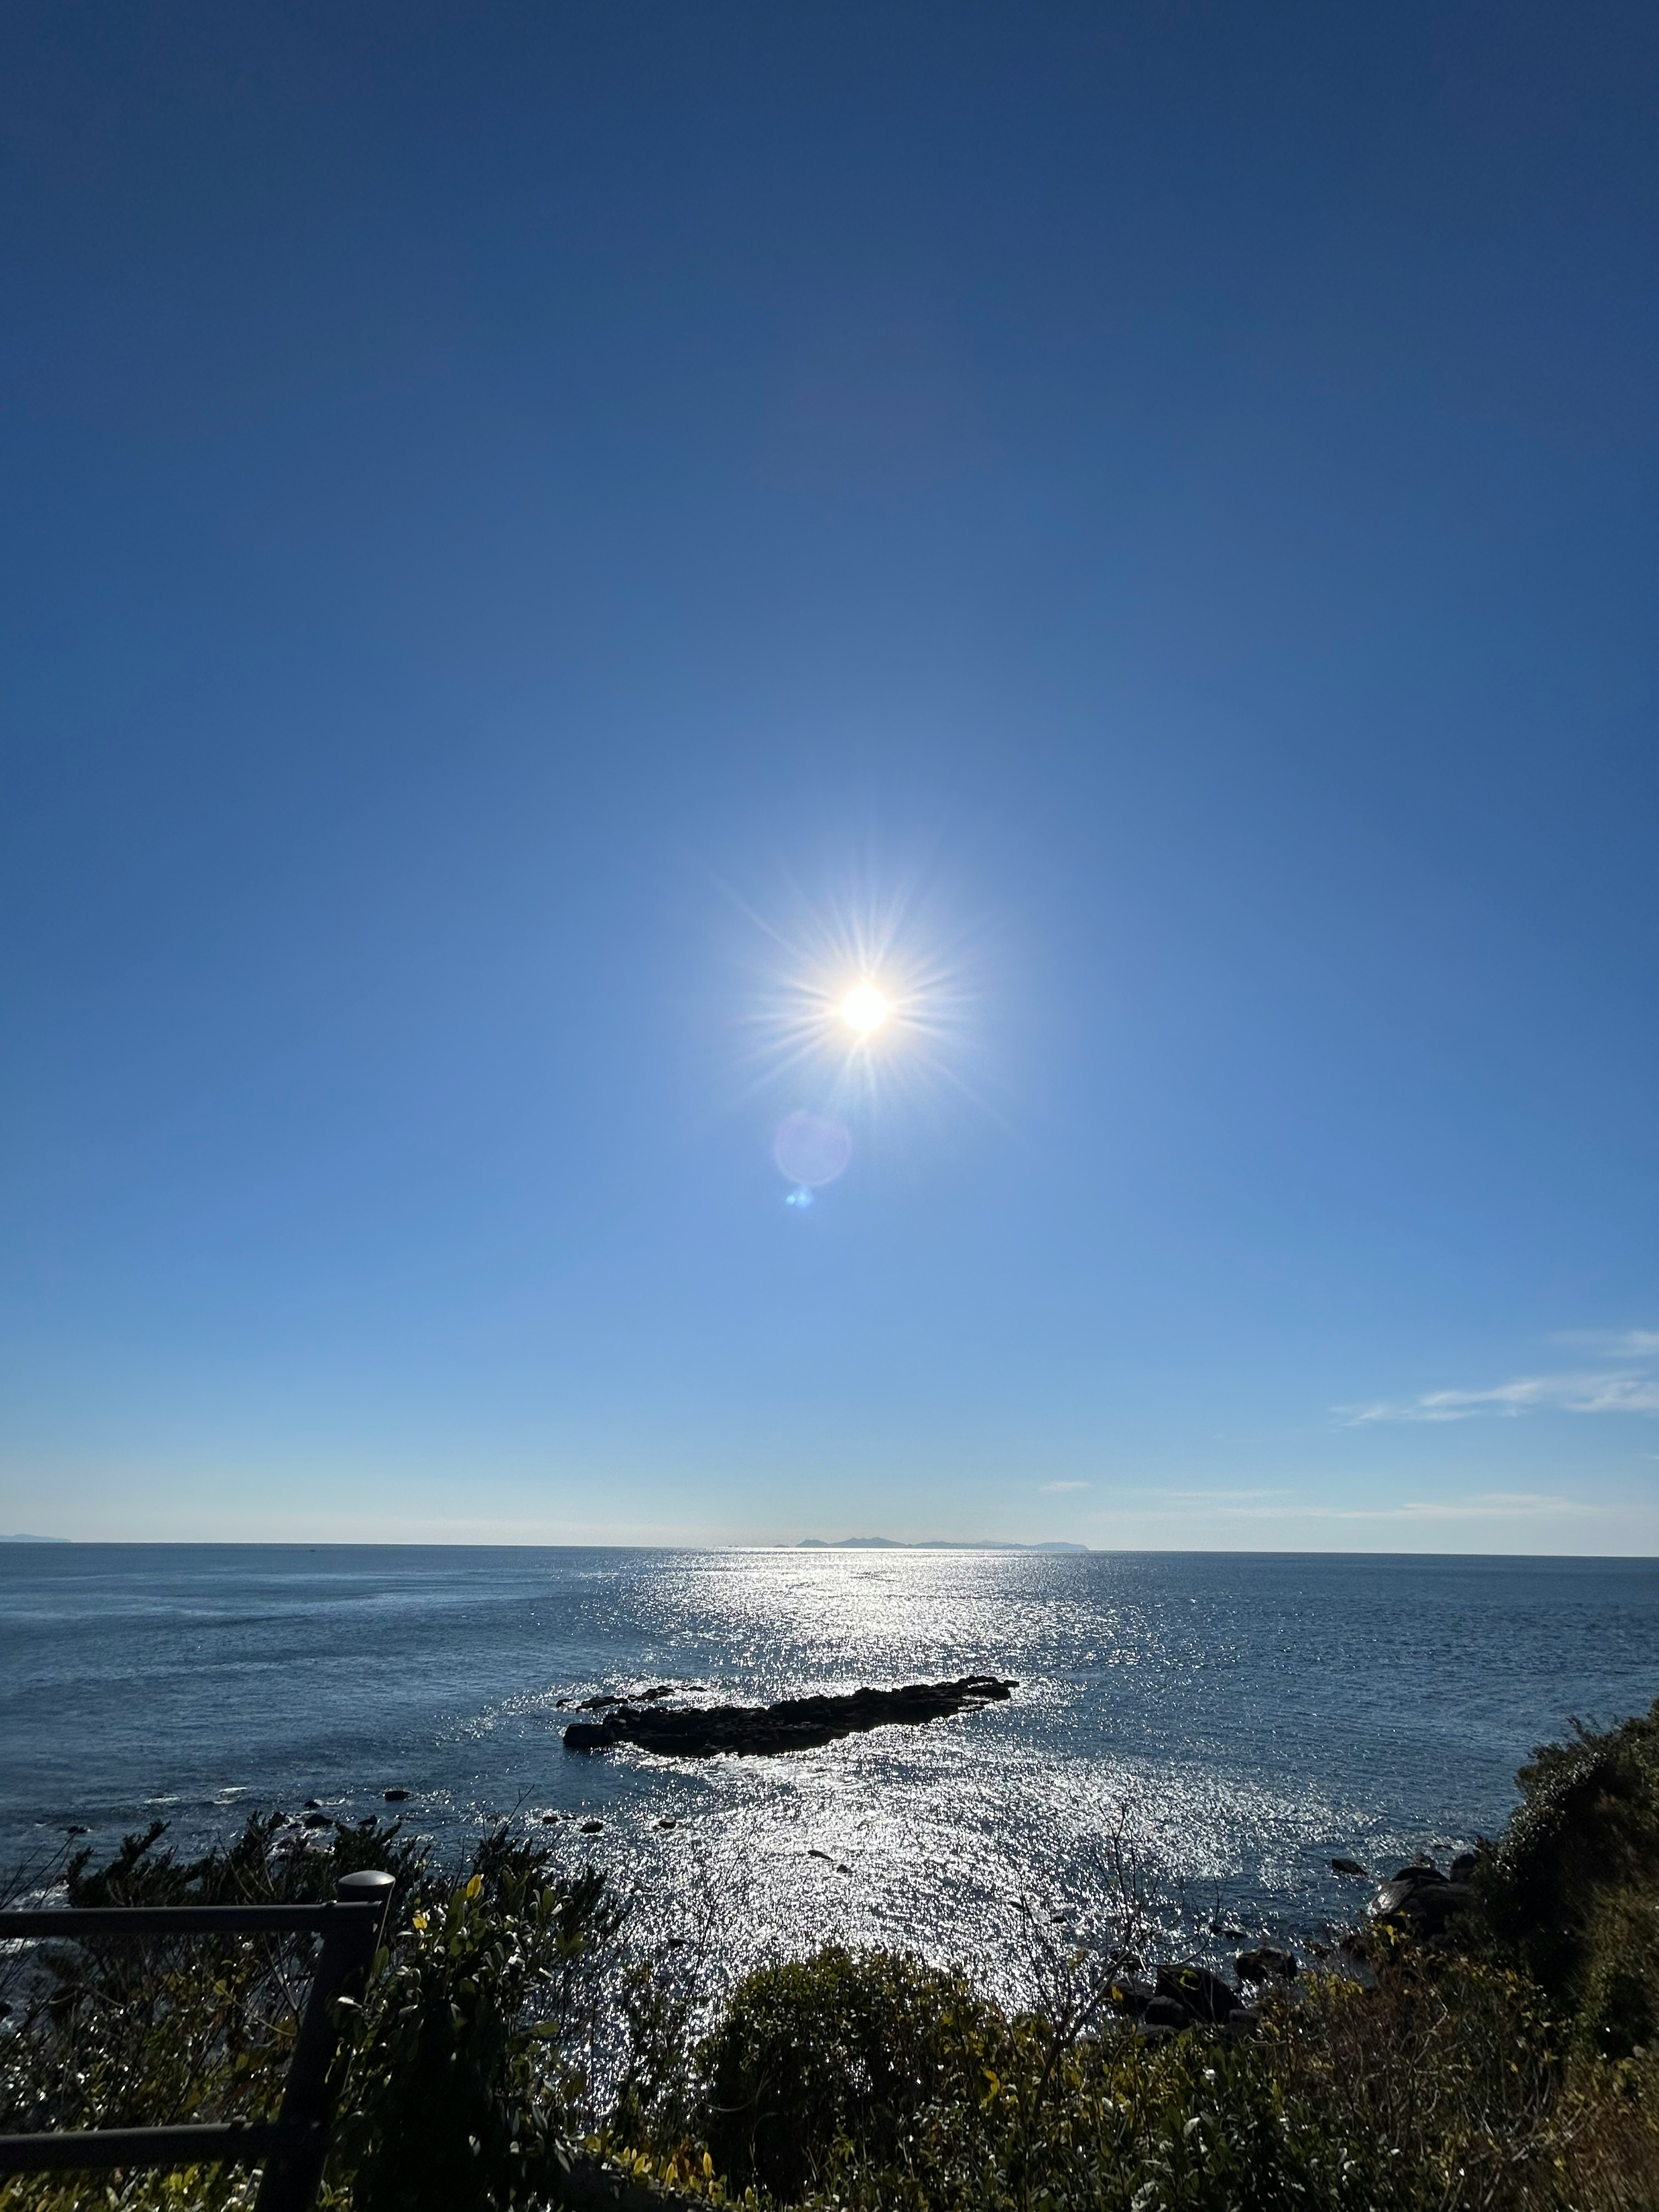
x=1236, y=1719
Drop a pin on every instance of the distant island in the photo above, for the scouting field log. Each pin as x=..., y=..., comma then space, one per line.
x=933, y=1544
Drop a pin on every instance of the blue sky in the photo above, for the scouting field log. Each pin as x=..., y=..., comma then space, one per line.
x=529, y=528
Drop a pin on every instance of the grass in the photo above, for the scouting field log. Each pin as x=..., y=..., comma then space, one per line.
x=522, y=2043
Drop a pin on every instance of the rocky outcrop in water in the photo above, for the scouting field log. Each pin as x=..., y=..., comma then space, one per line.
x=792, y=1724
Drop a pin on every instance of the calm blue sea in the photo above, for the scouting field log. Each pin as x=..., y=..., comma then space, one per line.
x=1238, y=1718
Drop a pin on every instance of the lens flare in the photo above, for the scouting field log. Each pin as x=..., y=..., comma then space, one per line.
x=811, y=1149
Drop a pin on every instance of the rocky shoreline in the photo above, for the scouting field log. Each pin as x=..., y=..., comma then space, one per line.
x=1418, y=1901
x=790, y=1724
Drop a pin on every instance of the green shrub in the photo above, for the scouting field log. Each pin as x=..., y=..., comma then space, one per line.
x=1570, y=1889
x=460, y=2073
x=838, y=2050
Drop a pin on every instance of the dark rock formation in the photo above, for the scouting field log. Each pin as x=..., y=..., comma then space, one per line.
x=1350, y=1867
x=1420, y=1900
x=1130, y=1996
x=394, y=1797
x=793, y=1724
x=1205, y=1995
x=1265, y=1963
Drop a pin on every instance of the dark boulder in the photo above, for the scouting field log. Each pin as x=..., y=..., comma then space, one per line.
x=1130, y=1997
x=1421, y=1904
x=1432, y=1906
x=1265, y=1963
x=395, y=1796
x=1205, y=1995
x=1392, y=1896
x=1350, y=1867
x=591, y=1827
x=1166, y=2012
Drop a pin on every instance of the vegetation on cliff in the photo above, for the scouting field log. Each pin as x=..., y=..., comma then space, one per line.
x=522, y=2043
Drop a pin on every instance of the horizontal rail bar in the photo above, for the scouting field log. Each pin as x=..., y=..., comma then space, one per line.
x=92, y=2150
x=71, y=1923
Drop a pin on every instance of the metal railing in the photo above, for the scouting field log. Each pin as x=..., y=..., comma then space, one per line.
x=293, y=2146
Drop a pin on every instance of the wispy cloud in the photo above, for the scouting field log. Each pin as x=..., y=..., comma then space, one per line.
x=1283, y=1505
x=1626, y=1379
x=1062, y=1485
x=1490, y=1505
x=1214, y=1496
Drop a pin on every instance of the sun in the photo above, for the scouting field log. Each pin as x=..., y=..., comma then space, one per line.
x=867, y=995
x=865, y=1009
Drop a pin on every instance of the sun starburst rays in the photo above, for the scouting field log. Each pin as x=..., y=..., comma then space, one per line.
x=857, y=1000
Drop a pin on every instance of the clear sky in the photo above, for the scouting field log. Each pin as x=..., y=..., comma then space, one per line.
x=541, y=537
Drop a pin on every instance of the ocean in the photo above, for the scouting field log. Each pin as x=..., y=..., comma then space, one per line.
x=1225, y=1723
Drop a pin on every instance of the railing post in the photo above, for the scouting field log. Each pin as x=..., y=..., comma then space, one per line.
x=295, y=2169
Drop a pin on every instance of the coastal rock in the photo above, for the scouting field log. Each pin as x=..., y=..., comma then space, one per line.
x=792, y=1724
x=1166, y=2012
x=1130, y=1997
x=1432, y=1906
x=1420, y=1898
x=1350, y=1867
x=592, y=1827
x=395, y=1796
x=1205, y=1995
x=1391, y=1897
x=1265, y=1963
